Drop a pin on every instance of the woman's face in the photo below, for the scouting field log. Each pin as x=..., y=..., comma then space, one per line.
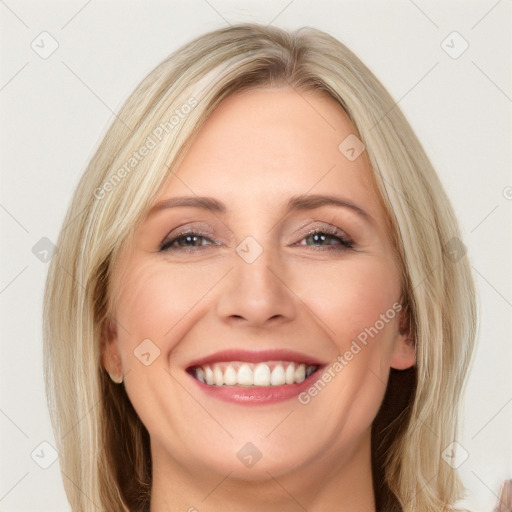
x=266, y=270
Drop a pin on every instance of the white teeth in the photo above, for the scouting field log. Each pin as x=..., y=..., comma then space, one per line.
x=278, y=377
x=290, y=374
x=300, y=373
x=237, y=373
x=208, y=375
x=261, y=375
x=200, y=374
x=244, y=375
x=218, y=376
x=230, y=376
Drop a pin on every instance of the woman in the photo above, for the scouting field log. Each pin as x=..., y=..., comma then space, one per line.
x=260, y=299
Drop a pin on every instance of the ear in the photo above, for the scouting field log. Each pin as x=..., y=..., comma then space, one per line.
x=110, y=356
x=404, y=352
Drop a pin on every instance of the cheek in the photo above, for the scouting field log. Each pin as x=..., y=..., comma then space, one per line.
x=351, y=296
x=155, y=302
x=158, y=303
x=355, y=302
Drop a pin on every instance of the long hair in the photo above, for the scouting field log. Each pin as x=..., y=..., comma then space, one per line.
x=104, y=448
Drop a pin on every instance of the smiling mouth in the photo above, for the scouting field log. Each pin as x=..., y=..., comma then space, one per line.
x=246, y=374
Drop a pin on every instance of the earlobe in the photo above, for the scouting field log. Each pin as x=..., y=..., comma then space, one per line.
x=404, y=353
x=110, y=356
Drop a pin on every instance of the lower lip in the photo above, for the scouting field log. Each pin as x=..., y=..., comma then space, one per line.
x=257, y=395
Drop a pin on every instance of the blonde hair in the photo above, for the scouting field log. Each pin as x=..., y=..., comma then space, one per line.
x=103, y=446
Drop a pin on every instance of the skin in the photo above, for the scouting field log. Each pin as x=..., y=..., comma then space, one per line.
x=258, y=149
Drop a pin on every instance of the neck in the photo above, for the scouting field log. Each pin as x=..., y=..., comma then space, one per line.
x=334, y=481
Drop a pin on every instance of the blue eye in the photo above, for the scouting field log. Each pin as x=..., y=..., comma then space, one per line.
x=318, y=238
x=186, y=241
x=323, y=238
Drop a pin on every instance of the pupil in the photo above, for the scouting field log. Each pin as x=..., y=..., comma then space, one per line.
x=190, y=239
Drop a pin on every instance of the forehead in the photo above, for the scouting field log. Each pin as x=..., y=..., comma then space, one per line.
x=267, y=144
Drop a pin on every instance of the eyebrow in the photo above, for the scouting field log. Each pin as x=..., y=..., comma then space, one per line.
x=300, y=202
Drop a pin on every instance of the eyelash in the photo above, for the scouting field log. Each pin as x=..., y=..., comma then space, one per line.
x=166, y=244
x=332, y=232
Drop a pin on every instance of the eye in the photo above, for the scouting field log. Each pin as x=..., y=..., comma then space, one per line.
x=329, y=237
x=188, y=241
x=191, y=241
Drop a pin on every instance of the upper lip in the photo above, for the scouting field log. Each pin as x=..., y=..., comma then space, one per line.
x=259, y=356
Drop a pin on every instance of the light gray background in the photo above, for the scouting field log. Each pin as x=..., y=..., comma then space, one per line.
x=54, y=111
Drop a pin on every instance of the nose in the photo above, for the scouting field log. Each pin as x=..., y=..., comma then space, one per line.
x=256, y=293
